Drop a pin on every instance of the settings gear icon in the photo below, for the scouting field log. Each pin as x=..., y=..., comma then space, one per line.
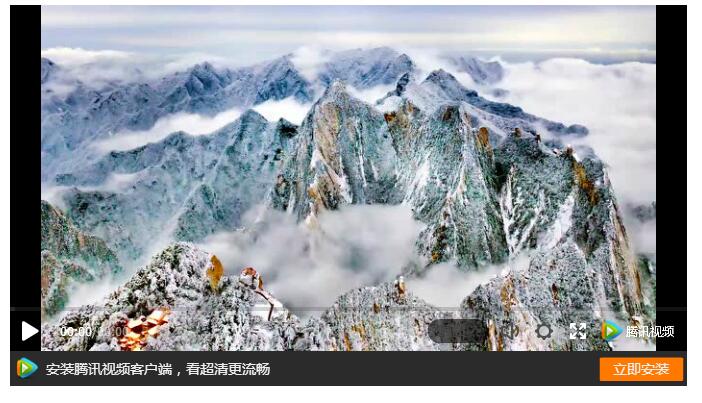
x=543, y=331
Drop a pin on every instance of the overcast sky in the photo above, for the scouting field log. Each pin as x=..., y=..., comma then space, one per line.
x=244, y=35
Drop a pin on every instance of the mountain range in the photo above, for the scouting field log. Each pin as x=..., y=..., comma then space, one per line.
x=488, y=181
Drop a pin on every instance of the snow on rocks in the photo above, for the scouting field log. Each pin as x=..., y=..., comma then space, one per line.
x=201, y=318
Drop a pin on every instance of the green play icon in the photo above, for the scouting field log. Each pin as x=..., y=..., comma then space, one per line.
x=610, y=330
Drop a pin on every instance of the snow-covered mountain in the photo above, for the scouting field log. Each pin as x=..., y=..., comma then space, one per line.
x=69, y=257
x=440, y=86
x=229, y=317
x=73, y=123
x=481, y=71
x=488, y=181
x=75, y=114
x=184, y=187
x=365, y=68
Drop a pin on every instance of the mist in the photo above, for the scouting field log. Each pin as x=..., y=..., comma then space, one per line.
x=190, y=123
x=97, y=69
x=308, y=60
x=288, y=109
x=308, y=268
x=445, y=286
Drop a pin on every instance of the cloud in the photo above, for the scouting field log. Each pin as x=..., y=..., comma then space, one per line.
x=93, y=68
x=445, y=286
x=54, y=195
x=431, y=27
x=101, y=68
x=642, y=235
x=287, y=108
x=308, y=60
x=190, y=123
x=307, y=269
x=428, y=60
x=81, y=294
x=359, y=245
x=78, y=56
x=370, y=95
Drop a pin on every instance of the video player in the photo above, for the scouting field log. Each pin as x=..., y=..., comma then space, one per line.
x=386, y=193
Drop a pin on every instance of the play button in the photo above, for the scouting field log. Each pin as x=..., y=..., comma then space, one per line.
x=28, y=330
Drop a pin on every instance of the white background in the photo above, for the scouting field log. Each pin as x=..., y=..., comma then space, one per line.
x=371, y=394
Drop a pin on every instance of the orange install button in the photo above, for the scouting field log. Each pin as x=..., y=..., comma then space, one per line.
x=641, y=369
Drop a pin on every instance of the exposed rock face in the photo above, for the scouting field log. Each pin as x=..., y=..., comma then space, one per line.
x=535, y=187
x=344, y=154
x=558, y=288
x=400, y=87
x=583, y=269
x=349, y=153
x=69, y=257
x=452, y=190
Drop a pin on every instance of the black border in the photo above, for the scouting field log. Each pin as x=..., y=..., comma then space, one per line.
x=671, y=168
x=25, y=163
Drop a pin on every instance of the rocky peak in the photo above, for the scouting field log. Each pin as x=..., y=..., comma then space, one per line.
x=205, y=67
x=399, y=87
x=448, y=82
x=335, y=92
x=440, y=86
x=343, y=154
x=286, y=128
x=440, y=76
x=451, y=187
x=250, y=118
x=279, y=79
x=447, y=87
x=203, y=78
x=405, y=60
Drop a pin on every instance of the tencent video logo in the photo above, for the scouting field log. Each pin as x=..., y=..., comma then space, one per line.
x=610, y=330
x=26, y=367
